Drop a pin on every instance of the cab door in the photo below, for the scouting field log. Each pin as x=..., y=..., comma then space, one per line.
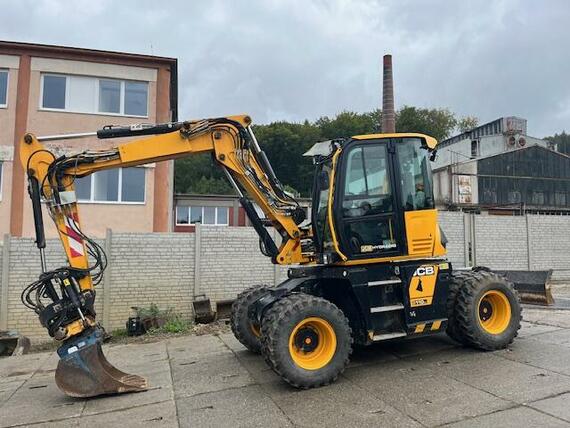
x=366, y=215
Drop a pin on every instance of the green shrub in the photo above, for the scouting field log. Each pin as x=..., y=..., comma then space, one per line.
x=176, y=325
x=171, y=322
x=120, y=332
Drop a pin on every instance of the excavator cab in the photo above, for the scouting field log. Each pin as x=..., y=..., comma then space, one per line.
x=373, y=198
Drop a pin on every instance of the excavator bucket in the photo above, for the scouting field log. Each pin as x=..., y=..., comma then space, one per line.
x=533, y=286
x=83, y=371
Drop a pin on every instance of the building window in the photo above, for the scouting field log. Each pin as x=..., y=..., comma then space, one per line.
x=3, y=88
x=537, y=198
x=474, y=148
x=54, y=92
x=136, y=98
x=190, y=215
x=514, y=197
x=122, y=185
x=110, y=96
x=559, y=199
x=81, y=94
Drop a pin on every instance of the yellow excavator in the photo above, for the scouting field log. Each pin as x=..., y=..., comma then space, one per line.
x=370, y=263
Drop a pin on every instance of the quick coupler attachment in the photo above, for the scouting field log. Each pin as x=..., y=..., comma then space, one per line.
x=83, y=371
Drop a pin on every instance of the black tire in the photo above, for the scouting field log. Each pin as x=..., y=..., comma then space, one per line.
x=470, y=302
x=457, y=280
x=297, y=314
x=242, y=328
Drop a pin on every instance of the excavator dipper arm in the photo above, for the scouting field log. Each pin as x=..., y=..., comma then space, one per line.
x=64, y=298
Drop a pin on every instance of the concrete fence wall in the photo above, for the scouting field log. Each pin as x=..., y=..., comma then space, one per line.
x=169, y=269
x=142, y=269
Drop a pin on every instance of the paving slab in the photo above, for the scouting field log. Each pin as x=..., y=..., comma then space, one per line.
x=532, y=329
x=257, y=368
x=546, y=316
x=161, y=415
x=558, y=406
x=8, y=387
x=341, y=404
x=230, y=341
x=216, y=373
x=153, y=415
x=540, y=354
x=248, y=406
x=198, y=347
x=512, y=418
x=428, y=395
x=504, y=378
x=39, y=400
x=24, y=366
x=556, y=337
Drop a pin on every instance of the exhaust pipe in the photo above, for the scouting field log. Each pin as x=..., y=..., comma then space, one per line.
x=83, y=371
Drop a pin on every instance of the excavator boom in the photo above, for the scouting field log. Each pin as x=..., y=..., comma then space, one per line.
x=64, y=298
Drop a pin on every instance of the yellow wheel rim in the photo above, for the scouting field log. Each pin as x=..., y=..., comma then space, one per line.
x=494, y=312
x=312, y=343
x=255, y=330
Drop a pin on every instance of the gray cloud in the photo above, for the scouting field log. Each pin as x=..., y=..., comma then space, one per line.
x=302, y=59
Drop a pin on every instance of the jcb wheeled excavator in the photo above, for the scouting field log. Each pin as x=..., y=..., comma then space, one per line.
x=371, y=262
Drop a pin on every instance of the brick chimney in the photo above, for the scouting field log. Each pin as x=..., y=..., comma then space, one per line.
x=388, y=113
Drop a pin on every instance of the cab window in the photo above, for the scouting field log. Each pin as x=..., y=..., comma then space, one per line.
x=368, y=225
x=367, y=187
x=416, y=180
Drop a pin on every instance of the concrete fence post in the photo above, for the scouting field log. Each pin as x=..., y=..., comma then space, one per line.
x=472, y=239
x=107, y=280
x=466, y=238
x=528, y=246
x=4, y=283
x=197, y=251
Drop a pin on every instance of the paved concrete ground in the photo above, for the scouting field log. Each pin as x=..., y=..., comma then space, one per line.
x=211, y=381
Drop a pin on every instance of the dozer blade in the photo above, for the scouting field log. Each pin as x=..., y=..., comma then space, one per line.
x=83, y=371
x=533, y=286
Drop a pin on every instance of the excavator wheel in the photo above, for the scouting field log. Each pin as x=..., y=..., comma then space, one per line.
x=455, y=285
x=247, y=333
x=306, y=340
x=487, y=311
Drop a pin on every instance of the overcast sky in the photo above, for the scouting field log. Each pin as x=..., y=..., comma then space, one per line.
x=292, y=60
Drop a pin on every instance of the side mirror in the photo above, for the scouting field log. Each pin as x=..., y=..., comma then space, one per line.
x=324, y=181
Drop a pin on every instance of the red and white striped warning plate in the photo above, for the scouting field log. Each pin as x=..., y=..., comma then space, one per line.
x=73, y=238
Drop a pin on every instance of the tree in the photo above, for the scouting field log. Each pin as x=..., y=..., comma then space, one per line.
x=435, y=122
x=562, y=141
x=198, y=174
x=467, y=123
x=285, y=143
x=348, y=123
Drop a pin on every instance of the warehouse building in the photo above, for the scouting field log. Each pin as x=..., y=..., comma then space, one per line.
x=498, y=167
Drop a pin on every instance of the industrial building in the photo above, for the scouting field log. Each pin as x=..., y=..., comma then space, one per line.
x=498, y=167
x=51, y=90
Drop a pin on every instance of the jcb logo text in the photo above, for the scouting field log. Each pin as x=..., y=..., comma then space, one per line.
x=424, y=270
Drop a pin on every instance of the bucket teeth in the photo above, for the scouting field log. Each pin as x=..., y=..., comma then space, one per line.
x=83, y=370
